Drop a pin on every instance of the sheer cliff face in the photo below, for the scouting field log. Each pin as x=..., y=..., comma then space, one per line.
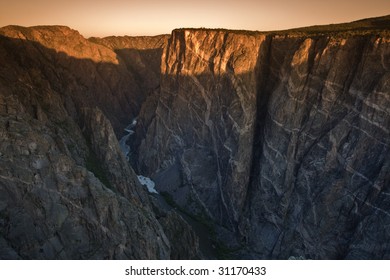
x=200, y=140
x=321, y=180
x=283, y=140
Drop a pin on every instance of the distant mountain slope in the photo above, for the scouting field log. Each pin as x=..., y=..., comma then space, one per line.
x=369, y=24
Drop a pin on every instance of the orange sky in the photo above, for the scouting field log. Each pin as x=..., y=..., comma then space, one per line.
x=151, y=17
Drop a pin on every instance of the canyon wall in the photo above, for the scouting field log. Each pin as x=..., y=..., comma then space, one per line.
x=281, y=140
x=321, y=173
x=200, y=138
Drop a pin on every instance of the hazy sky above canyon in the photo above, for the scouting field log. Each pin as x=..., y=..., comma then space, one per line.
x=151, y=17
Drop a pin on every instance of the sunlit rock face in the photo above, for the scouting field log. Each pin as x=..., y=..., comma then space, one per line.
x=282, y=141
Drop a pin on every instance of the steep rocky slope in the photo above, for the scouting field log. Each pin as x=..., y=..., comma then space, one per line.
x=282, y=141
x=53, y=203
x=67, y=190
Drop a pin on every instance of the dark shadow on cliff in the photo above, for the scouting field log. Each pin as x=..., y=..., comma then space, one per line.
x=144, y=65
x=117, y=89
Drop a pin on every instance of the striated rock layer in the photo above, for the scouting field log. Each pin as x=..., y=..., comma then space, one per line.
x=321, y=170
x=281, y=140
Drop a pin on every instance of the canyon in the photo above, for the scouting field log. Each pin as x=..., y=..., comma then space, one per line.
x=261, y=145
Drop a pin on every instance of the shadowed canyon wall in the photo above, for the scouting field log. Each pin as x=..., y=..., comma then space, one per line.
x=67, y=191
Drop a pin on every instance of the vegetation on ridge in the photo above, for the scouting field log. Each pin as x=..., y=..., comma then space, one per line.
x=376, y=25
